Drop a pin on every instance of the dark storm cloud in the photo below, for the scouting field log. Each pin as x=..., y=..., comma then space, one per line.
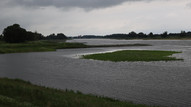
x=86, y=4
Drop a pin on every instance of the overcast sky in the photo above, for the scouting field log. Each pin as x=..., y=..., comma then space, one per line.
x=98, y=17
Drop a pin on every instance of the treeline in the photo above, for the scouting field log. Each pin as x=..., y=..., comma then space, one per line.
x=16, y=34
x=141, y=35
x=87, y=36
x=165, y=35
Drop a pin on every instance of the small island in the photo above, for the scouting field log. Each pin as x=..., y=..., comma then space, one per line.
x=133, y=55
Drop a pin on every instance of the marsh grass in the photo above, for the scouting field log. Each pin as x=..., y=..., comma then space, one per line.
x=49, y=45
x=37, y=46
x=134, y=55
x=18, y=93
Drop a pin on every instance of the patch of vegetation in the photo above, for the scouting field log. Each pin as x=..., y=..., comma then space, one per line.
x=48, y=45
x=119, y=45
x=37, y=46
x=18, y=93
x=133, y=55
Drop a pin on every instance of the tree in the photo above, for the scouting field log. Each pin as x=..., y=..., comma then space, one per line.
x=132, y=34
x=164, y=35
x=141, y=35
x=51, y=36
x=14, y=34
x=151, y=34
x=34, y=36
x=182, y=33
x=61, y=36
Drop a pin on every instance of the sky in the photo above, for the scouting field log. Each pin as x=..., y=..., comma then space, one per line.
x=96, y=17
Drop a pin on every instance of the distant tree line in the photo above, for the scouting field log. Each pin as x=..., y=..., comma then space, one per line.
x=88, y=37
x=16, y=34
x=141, y=35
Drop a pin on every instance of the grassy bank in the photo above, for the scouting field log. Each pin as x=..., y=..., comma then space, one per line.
x=37, y=46
x=18, y=93
x=133, y=55
x=42, y=46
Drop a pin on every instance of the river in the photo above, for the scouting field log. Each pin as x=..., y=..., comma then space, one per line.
x=153, y=83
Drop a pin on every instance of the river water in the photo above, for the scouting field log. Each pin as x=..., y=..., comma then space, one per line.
x=153, y=83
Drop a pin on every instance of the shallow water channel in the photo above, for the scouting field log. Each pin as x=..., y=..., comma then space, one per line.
x=154, y=83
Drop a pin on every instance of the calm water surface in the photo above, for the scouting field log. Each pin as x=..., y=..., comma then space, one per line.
x=155, y=83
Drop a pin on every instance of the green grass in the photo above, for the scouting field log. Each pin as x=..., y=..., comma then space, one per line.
x=18, y=93
x=37, y=46
x=133, y=55
x=119, y=45
x=48, y=45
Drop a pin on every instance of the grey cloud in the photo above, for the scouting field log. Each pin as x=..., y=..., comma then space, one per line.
x=189, y=5
x=85, y=4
